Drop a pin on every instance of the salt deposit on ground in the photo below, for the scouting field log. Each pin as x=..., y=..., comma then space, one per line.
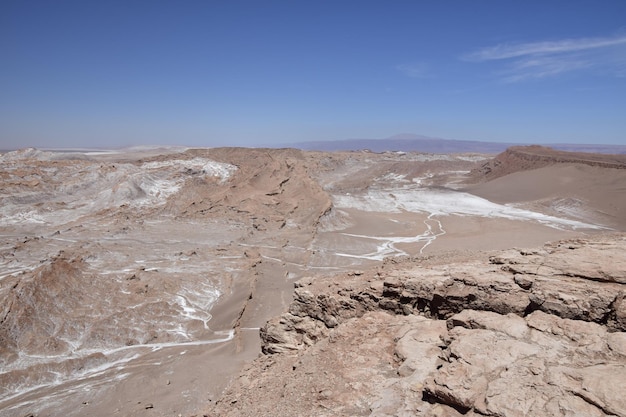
x=444, y=202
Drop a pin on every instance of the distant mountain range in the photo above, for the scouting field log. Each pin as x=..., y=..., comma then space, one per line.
x=419, y=143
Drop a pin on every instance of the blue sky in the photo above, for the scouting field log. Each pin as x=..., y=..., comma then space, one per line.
x=252, y=73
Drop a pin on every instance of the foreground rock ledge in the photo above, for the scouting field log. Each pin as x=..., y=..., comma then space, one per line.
x=518, y=333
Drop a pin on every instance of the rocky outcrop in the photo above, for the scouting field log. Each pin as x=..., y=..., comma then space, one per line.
x=574, y=280
x=497, y=365
x=578, y=280
x=522, y=332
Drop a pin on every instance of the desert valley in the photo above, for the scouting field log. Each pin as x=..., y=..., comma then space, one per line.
x=282, y=282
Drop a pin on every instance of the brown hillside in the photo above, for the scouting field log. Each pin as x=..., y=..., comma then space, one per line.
x=524, y=158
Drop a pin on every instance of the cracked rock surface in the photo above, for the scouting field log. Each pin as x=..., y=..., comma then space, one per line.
x=517, y=333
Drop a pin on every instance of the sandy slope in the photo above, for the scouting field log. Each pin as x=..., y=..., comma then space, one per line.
x=576, y=190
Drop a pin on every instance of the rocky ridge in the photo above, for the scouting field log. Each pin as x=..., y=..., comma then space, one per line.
x=519, y=332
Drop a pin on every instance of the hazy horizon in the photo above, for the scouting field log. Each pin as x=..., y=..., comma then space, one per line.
x=400, y=142
x=242, y=73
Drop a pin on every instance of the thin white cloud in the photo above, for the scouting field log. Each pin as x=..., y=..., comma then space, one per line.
x=548, y=59
x=414, y=70
x=542, y=67
x=505, y=51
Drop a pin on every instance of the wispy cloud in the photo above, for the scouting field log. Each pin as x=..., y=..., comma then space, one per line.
x=504, y=51
x=547, y=59
x=414, y=70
